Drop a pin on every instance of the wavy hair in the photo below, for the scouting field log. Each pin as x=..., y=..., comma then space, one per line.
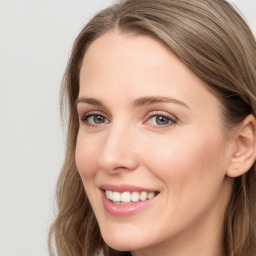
x=214, y=41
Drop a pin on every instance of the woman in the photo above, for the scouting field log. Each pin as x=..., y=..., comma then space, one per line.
x=160, y=153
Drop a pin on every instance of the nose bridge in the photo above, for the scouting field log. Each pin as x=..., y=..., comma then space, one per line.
x=118, y=151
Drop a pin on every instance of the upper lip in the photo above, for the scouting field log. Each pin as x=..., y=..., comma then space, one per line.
x=123, y=188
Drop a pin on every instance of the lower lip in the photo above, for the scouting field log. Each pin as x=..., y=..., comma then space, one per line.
x=125, y=209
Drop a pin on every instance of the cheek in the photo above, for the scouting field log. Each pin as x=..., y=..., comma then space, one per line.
x=192, y=172
x=86, y=155
x=185, y=160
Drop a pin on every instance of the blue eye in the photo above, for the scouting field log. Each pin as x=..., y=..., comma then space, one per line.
x=94, y=119
x=160, y=120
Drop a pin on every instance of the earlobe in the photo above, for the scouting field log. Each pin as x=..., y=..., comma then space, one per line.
x=244, y=154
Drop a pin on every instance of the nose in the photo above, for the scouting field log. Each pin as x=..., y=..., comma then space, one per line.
x=118, y=153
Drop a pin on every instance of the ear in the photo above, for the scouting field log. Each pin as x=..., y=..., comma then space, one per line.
x=243, y=154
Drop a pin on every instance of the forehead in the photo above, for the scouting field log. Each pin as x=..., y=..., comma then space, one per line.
x=132, y=66
x=129, y=55
x=125, y=46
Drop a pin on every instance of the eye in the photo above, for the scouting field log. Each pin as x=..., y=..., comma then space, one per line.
x=94, y=119
x=158, y=120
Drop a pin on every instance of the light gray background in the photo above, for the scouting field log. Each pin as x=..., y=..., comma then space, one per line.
x=35, y=42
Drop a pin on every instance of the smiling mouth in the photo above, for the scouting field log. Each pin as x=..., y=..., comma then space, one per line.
x=127, y=197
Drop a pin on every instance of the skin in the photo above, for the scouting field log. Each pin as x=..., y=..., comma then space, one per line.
x=186, y=160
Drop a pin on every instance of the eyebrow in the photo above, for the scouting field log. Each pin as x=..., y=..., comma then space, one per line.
x=90, y=101
x=142, y=101
x=153, y=100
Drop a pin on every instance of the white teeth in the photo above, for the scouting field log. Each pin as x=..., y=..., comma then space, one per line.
x=109, y=194
x=135, y=196
x=143, y=196
x=116, y=197
x=151, y=195
x=127, y=197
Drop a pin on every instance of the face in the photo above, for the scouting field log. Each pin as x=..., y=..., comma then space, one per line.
x=151, y=148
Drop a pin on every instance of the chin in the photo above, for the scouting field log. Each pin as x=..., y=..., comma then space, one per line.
x=119, y=242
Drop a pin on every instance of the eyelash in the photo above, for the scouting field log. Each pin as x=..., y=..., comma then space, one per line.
x=86, y=116
x=156, y=114
x=171, y=120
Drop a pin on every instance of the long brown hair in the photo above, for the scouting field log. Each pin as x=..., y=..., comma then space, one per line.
x=214, y=41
